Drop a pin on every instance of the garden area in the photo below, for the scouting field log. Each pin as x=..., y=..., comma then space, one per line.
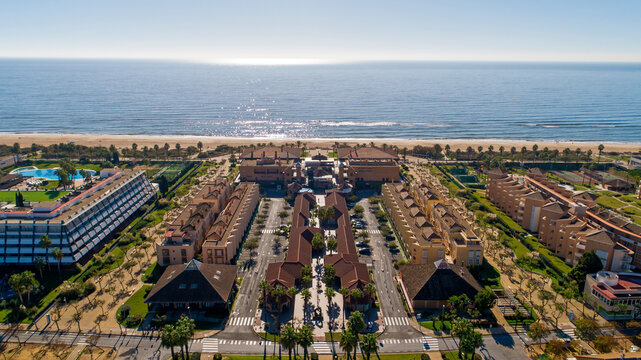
x=32, y=196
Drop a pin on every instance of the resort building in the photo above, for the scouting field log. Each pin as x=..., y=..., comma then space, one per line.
x=194, y=285
x=272, y=164
x=351, y=273
x=431, y=229
x=76, y=223
x=616, y=295
x=423, y=243
x=10, y=180
x=429, y=286
x=299, y=253
x=367, y=164
x=225, y=236
x=568, y=223
x=9, y=160
x=185, y=234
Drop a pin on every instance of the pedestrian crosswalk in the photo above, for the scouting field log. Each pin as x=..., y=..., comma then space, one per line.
x=210, y=345
x=396, y=321
x=429, y=343
x=374, y=231
x=269, y=231
x=322, y=347
x=72, y=338
x=569, y=333
x=243, y=342
x=240, y=321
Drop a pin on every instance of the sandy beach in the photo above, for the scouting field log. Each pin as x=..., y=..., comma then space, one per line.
x=210, y=142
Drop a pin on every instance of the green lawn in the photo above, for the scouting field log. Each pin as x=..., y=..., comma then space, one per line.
x=631, y=210
x=436, y=325
x=332, y=155
x=35, y=196
x=609, y=202
x=453, y=355
x=136, y=302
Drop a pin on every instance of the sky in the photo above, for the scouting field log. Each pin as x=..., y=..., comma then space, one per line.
x=300, y=31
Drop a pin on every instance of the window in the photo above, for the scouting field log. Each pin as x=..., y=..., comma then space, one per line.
x=194, y=286
x=182, y=286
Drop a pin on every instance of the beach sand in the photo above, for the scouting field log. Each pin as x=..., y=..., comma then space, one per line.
x=210, y=142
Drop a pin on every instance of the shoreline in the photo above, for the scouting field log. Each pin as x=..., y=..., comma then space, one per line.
x=210, y=142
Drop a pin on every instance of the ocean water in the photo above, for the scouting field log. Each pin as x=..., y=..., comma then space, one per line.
x=583, y=102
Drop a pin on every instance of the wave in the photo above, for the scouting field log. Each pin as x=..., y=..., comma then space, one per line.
x=378, y=123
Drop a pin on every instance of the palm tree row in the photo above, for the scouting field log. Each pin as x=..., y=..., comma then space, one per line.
x=178, y=334
x=291, y=337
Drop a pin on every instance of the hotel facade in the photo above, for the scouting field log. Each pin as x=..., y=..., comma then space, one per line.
x=77, y=223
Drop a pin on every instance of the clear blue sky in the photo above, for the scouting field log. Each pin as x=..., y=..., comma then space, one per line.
x=327, y=30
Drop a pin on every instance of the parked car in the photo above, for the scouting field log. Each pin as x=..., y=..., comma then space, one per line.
x=361, y=244
x=365, y=251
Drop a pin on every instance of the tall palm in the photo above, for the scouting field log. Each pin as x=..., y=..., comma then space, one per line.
x=345, y=293
x=329, y=293
x=168, y=338
x=187, y=328
x=347, y=343
x=288, y=338
x=57, y=255
x=305, y=338
x=264, y=288
x=369, y=345
x=45, y=243
x=307, y=295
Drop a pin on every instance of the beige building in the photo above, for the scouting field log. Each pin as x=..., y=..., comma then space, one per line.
x=186, y=233
x=279, y=171
x=616, y=296
x=561, y=218
x=226, y=235
x=424, y=245
x=367, y=164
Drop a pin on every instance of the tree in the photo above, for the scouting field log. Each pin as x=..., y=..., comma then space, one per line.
x=484, y=300
x=288, y=338
x=356, y=322
x=589, y=263
x=45, y=243
x=250, y=245
x=470, y=341
x=369, y=345
x=163, y=184
x=77, y=316
x=586, y=329
x=307, y=295
x=605, y=343
x=556, y=347
x=16, y=151
x=56, y=313
x=329, y=274
x=186, y=328
x=200, y=146
x=178, y=148
x=601, y=147
x=19, y=199
x=317, y=242
x=57, y=255
x=332, y=244
x=305, y=338
x=329, y=293
x=18, y=285
x=168, y=338
x=538, y=332
x=40, y=264
x=348, y=343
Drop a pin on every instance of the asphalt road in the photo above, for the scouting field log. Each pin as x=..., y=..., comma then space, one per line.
x=242, y=318
x=394, y=315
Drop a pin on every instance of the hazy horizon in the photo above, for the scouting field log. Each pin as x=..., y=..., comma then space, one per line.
x=292, y=32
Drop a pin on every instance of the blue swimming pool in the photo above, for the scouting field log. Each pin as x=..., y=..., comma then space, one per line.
x=49, y=174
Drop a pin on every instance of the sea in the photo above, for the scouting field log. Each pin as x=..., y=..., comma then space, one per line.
x=396, y=100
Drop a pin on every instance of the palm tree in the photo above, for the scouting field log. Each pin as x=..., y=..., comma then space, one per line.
x=200, y=146
x=45, y=243
x=40, y=264
x=329, y=293
x=186, y=328
x=347, y=343
x=288, y=339
x=369, y=345
x=306, y=296
x=601, y=147
x=370, y=289
x=168, y=338
x=345, y=293
x=305, y=338
x=57, y=255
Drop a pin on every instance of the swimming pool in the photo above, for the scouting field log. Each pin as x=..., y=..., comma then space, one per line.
x=49, y=174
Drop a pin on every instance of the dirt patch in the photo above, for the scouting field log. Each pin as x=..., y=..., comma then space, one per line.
x=35, y=352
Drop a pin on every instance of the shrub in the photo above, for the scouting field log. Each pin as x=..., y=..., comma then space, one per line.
x=218, y=356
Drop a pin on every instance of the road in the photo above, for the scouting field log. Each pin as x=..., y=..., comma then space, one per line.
x=243, y=316
x=394, y=316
